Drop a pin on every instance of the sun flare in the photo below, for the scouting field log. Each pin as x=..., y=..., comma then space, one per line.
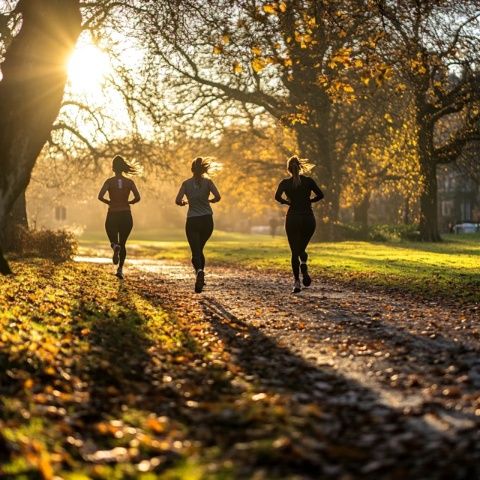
x=87, y=68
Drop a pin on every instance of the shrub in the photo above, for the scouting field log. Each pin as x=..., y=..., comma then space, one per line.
x=58, y=245
x=394, y=232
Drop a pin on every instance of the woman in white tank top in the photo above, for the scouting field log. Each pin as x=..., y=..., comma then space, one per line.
x=199, y=225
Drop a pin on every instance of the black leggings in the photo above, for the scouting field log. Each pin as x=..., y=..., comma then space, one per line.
x=198, y=230
x=300, y=229
x=118, y=226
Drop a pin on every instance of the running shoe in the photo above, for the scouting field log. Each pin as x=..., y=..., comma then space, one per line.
x=296, y=287
x=306, y=278
x=200, y=281
x=119, y=274
x=116, y=253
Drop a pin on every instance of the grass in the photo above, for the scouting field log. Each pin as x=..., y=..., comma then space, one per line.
x=450, y=269
x=73, y=346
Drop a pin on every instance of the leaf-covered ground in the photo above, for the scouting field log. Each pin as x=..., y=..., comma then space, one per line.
x=102, y=379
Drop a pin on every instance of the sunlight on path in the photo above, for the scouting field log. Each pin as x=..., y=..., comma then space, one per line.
x=100, y=260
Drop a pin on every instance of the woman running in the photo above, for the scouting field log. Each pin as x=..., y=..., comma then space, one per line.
x=119, y=221
x=300, y=222
x=199, y=226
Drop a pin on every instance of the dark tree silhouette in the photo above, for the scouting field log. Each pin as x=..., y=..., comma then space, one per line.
x=31, y=91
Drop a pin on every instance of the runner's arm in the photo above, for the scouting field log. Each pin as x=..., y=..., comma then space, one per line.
x=181, y=193
x=279, y=194
x=216, y=194
x=102, y=192
x=136, y=195
x=316, y=190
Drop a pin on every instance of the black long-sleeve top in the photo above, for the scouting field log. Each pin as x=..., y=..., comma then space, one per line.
x=298, y=198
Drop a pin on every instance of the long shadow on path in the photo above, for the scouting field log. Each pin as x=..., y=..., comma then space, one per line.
x=351, y=431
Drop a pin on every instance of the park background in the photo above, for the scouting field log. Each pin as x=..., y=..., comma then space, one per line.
x=371, y=373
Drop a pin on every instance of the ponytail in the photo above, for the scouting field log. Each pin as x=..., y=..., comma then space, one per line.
x=119, y=165
x=297, y=166
x=294, y=169
x=204, y=166
x=200, y=167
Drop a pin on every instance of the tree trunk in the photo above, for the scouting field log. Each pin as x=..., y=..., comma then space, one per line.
x=428, y=205
x=316, y=136
x=34, y=77
x=360, y=211
x=428, y=196
x=406, y=212
x=316, y=142
x=16, y=220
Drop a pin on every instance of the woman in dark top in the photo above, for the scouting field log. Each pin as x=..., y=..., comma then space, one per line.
x=199, y=226
x=300, y=222
x=119, y=222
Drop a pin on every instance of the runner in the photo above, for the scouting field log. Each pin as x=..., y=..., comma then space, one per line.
x=119, y=222
x=199, y=225
x=300, y=222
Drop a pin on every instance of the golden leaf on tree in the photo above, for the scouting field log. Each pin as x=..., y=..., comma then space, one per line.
x=307, y=38
x=283, y=7
x=258, y=64
x=217, y=49
x=323, y=80
x=270, y=8
x=237, y=67
x=257, y=51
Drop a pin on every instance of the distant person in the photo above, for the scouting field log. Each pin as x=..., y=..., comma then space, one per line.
x=300, y=222
x=273, y=226
x=199, y=225
x=119, y=222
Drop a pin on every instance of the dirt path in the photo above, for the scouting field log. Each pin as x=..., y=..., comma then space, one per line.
x=405, y=374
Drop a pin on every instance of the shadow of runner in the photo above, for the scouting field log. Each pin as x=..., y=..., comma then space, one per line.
x=401, y=343
x=447, y=365
x=341, y=426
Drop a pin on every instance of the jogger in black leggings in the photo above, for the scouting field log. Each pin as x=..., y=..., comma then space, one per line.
x=199, y=226
x=300, y=222
x=198, y=230
x=118, y=226
x=300, y=229
x=119, y=222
